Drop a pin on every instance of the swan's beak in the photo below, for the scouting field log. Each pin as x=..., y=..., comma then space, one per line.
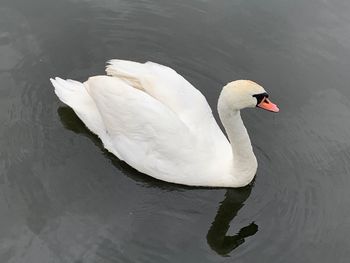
x=266, y=104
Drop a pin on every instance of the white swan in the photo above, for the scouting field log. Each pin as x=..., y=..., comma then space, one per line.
x=157, y=122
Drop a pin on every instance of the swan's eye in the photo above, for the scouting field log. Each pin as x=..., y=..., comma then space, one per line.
x=260, y=97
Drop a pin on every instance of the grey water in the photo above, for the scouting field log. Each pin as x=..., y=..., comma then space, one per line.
x=63, y=198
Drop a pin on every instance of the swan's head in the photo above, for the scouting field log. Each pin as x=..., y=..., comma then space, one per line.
x=242, y=94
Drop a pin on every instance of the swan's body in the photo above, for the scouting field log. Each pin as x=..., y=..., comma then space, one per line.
x=157, y=122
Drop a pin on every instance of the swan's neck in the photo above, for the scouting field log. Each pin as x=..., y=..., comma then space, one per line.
x=244, y=162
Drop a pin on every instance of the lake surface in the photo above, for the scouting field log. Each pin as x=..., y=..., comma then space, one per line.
x=63, y=198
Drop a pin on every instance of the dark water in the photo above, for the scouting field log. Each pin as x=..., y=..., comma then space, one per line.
x=65, y=199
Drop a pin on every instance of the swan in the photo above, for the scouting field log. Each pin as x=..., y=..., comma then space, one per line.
x=153, y=119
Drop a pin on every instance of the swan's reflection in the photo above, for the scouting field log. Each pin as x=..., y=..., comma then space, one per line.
x=228, y=209
x=216, y=237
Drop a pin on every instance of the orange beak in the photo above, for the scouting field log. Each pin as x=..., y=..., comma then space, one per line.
x=266, y=104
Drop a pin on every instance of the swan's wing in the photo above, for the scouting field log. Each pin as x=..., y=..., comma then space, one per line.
x=147, y=134
x=168, y=87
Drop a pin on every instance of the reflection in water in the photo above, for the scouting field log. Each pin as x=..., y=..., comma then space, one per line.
x=216, y=237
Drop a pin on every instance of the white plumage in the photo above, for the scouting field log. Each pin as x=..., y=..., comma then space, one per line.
x=156, y=121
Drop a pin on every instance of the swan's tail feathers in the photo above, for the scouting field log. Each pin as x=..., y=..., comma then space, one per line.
x=75, y=95
x=131, y=72
x=70, y=92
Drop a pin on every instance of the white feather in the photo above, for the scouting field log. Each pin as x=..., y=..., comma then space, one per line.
x=156, y=121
